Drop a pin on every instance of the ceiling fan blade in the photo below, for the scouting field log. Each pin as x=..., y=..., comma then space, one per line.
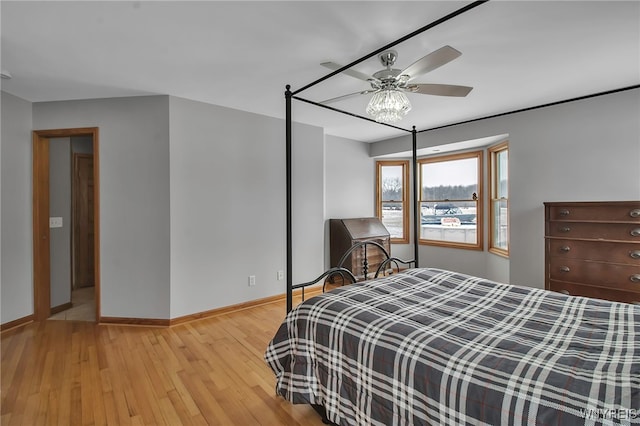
x=350, y=95
x=439, y=89
x=352, y=73
x=431, y=61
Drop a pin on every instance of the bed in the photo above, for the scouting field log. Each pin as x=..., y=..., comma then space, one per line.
x=436, y=347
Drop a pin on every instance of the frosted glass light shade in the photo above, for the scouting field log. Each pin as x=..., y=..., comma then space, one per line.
x=388, y=106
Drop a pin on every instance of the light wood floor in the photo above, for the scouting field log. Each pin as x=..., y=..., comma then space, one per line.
x=209, y=371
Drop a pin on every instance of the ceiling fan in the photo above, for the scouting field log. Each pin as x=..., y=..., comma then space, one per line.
x=389, y=103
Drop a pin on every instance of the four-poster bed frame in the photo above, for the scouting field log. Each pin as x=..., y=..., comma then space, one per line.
x=290, y=95
x=430, y=346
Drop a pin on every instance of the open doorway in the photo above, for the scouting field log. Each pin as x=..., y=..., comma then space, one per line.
x=72, y=237
x=66, y=224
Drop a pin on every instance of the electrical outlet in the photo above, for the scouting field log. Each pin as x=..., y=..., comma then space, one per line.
x=280, y=275
x=252, y=280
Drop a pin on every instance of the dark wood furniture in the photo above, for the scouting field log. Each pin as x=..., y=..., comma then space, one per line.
x=593, y=249
x=344, y=233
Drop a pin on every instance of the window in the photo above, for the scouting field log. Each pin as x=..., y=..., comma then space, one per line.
x=392, y=199
x=499, y=211
x=451, y=201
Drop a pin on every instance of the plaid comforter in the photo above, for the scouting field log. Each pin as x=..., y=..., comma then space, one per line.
x=441, y=348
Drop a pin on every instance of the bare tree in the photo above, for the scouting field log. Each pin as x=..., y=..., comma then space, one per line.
x=391, y=188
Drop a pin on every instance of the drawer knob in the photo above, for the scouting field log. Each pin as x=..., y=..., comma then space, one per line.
x=566, y=249
x=565, y=292
x=635, y=232
x=565, y=212
x=635, y=278
x=566, y=269
x=635, y=254
x=567, y=229
x=634, y=213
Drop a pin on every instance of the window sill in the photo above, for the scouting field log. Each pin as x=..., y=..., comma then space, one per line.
x=499, y=252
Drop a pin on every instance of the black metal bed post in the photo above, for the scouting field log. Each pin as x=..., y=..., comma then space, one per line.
x=416, y=207
x=287, y=95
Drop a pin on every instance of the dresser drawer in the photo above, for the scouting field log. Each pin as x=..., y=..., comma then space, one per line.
x=597, y=231
x=614, y=275
x=595, y=292
x=595, y=250
x=614, y=212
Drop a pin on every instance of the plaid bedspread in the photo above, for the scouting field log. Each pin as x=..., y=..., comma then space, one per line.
x=434, y=347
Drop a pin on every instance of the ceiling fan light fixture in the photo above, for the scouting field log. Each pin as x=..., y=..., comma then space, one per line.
x=388, y=106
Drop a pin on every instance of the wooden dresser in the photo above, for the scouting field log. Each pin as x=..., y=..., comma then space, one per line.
x=593, y=249
x=343, y=233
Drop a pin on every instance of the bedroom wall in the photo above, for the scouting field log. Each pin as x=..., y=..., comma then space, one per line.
x=227, y=165
x=228, y=205
x=308, y=200
x=587, y=150
x=349, y=182
x=16, y=275
x=134, y=197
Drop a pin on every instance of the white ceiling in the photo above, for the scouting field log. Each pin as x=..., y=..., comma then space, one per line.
x=241, y=54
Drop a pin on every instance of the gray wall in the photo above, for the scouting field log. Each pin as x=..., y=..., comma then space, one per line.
x=60, y=206
x=162, y=161
x=228, y=205
x=349, y=179
x=134, y=197
x=587, y=150
x=178, y=236
x=308, y=199
x=349, y=182
x=16, y=285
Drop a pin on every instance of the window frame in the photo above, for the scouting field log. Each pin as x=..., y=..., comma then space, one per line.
x=405, y=196
x=493, y=194
x=478, y=245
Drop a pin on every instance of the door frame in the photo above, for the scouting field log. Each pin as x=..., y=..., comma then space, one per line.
x=41, y=232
